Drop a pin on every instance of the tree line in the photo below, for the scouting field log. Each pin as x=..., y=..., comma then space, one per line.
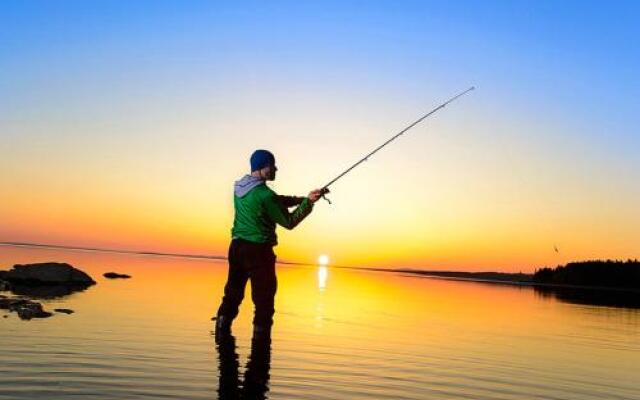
x=608, y=273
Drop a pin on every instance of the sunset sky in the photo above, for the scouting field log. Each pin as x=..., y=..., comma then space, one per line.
x=124, y=125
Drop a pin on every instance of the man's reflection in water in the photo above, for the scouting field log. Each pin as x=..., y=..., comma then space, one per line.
x=256, y=376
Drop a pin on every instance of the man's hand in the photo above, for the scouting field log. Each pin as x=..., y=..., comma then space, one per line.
x=314, y=195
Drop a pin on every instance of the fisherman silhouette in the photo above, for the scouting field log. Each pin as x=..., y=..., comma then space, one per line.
x=258, y=209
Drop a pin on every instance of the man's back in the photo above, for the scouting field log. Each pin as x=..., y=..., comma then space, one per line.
x=258, y=209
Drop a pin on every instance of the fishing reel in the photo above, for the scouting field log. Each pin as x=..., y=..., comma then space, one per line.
x=325, y=190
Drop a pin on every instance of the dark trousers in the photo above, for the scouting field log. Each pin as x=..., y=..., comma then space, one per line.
x=255, y=262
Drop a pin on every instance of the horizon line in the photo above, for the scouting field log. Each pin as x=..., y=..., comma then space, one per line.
x=140, y=252
x=213, y=257
x=185, y=255
x=111, y=250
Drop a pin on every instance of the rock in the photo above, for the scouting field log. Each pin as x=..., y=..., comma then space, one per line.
x=4, y=285
x=40, y=280
x=63, y=310
x=5, y=316
x=8, y=303
x=45, y=291
x=26, y=309
x=115, y=275
x=47, y=274
x=31, y=310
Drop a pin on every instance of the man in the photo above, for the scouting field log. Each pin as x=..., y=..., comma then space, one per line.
x=257, y=211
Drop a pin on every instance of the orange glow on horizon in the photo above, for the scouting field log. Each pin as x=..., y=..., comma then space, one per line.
x=453, y=220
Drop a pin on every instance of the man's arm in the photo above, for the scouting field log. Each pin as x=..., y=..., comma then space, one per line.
x=279, y=214
x=290, y=201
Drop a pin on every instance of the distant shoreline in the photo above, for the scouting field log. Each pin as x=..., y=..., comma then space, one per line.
x=500, y=278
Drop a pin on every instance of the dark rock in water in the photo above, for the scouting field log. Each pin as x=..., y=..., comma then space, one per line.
x=46, y=291
x=46, y=280
x=5, y=316
x=63, y=310
x=7, y=303
x=26, y=309
x=115, y=275
x=46, y=274
x=31, y=310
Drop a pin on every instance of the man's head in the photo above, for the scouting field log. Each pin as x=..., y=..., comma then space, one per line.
x=263, y=164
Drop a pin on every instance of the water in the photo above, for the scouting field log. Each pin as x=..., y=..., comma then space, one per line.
x=338, y=334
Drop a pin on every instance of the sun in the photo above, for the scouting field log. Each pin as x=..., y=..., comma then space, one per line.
x=323, y=259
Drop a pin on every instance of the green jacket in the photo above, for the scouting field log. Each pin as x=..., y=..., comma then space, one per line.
x=258, y=209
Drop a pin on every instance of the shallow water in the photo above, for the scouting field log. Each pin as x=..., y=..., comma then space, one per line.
x=338, y=334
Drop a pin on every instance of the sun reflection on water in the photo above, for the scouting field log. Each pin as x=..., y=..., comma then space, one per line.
x=322, y=277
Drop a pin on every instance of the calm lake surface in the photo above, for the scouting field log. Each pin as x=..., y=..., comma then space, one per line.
x=338, y=334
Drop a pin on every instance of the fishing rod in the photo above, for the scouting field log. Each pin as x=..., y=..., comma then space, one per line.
x=325, y=188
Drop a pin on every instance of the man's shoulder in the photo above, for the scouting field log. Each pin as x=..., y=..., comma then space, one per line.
x=263, y=192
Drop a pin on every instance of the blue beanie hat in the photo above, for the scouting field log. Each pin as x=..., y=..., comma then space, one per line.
x=261, y=159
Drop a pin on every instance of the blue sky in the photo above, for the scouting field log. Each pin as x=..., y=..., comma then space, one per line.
x=562, y=58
